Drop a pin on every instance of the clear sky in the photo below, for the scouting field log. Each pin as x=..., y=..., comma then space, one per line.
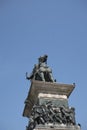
x=29, y=29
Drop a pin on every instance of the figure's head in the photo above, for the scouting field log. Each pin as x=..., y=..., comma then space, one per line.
x=45, y=56
x=42, y=59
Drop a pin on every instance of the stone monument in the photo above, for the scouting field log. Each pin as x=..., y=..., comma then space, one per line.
x=46, y=105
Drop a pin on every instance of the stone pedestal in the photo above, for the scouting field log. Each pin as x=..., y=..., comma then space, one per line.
x=47, y=106
x=57, y=127
x=41, y=91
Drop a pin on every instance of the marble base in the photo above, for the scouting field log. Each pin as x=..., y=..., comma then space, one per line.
x=57, y=127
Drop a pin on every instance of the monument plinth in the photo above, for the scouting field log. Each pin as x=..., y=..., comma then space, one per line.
x=46, y=104
x=46, y=91
x=57, y=127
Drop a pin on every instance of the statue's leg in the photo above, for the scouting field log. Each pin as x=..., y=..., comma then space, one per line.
x=42, y=76
x=51, y=77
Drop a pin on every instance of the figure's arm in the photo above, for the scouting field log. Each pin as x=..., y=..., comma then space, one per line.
x=32, y=74
x=29, y=77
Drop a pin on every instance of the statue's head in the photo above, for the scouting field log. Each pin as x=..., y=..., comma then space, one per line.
x=45, y=56
x=42, y=59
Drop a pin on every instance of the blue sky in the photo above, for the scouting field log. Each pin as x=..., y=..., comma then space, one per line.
x=29, y=29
